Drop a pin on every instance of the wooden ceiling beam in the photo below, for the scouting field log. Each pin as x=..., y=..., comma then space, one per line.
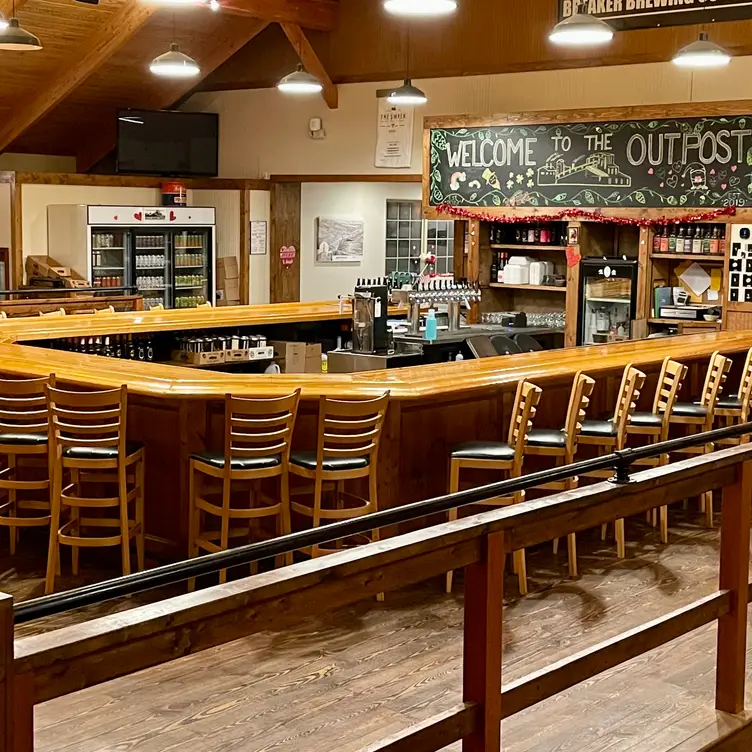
x=310, y=14
x=6, y=7
x=311, y=62
x=75, y=69
x=234, y=34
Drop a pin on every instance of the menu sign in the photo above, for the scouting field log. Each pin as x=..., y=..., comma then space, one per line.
x=693, y=162
x=636, y=14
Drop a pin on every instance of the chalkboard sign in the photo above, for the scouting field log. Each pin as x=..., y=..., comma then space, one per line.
x=640, y=14
x=693, y=162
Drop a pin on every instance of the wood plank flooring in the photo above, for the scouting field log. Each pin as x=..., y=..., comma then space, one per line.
x=357, y=675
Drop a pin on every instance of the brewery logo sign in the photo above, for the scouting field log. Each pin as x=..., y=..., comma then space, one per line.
x=641, y=14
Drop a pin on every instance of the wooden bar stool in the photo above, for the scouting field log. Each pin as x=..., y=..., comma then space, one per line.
x=349, y=432
x=735, y=407
x=562, y=445
x=655, y=423
x=698, y=416
x=257, y=440
x=498, y=455
x=611, y=434
x=24, y=430
x=58, y=312
x=87, y=443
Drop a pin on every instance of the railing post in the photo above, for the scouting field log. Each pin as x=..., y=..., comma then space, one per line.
x=482, y=644
x=6, y=673
x=734, y=576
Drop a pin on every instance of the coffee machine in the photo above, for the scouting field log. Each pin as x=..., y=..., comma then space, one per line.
x=370, y=314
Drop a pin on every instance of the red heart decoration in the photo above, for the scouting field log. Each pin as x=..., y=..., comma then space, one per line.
x=115, y=217
x=138, y=216
x=172, y=216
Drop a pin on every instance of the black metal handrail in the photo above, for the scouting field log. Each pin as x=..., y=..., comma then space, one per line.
x=170, y=574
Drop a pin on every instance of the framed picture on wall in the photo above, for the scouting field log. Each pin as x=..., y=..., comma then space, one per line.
x=339, y=240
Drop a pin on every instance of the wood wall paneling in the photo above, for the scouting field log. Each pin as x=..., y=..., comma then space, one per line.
x=285, y=230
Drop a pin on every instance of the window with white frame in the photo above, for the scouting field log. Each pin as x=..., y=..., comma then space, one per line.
x=409, y=238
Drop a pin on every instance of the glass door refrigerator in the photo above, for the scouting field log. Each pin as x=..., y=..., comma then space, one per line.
x=607, y=300
x=152, y=265
x=193, y=267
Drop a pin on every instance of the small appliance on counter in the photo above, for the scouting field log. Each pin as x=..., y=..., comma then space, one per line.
x=370, y=314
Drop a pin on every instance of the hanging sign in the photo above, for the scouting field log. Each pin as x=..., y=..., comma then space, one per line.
x=287, y=254
x=688, y=162
x=641, y=14
x=394, y=141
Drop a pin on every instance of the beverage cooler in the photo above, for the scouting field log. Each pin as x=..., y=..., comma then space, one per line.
x=166, y=253
x=607, y=300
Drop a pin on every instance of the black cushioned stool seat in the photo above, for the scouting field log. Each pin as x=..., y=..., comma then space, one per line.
x=482, y=450
x=308, y=461
x=546, y=437
x=99, y=453
x=23, y=439
x=731, y=402
x=689, y=410
x=598, y=428
x=646, y=420
x=217, y=459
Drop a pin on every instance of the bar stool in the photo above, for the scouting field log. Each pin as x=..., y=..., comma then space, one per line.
x=562, y=445
x=87, y=439
x=347, y=445
x=699, y=416
x=497, y=455
x=108, y=309
x=257, y=440
x=611, y=434
x=3, y=315
x=204, y=305
x=735, y=407
x=24, y=432
x=655, y=423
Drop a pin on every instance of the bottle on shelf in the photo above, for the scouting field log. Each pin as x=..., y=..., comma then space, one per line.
x=656, y=240
x=715, y=240
x=706, y=233
x=697, y=240
x=664, y=240
x=494, y=267
x=680, y=239
x=672, y=238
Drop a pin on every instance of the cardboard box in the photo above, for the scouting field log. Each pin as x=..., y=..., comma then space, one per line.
x=232, y=289
x=227, y=269
x=297, y=357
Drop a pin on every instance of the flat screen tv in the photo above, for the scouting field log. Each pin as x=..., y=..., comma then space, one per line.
x=167, y=143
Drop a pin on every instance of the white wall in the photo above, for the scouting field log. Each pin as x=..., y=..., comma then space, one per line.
x=265, y=132
x=366, y=201
x=260, y=264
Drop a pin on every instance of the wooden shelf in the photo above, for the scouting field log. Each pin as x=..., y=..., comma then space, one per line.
x=528, y=247
x=691, y=322
x=544, y=288
x=699, y=257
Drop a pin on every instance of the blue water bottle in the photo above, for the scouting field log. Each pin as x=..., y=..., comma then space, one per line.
x=432, y=329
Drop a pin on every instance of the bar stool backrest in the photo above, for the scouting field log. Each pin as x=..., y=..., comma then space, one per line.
x=23, y=405
x=715, y=378
x=88, y=419
x=632, y=382
x=108, y=309
x=259, y=427
x=670, y=381
x=350, y=429
x=579, y=399
x=3, y=315
x=526, y=399
x=58, y=312
x=745, y=387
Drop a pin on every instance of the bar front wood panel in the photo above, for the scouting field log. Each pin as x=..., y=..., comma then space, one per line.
x=284, y=279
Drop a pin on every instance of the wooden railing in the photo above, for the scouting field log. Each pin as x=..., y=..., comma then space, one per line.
x=43, y=667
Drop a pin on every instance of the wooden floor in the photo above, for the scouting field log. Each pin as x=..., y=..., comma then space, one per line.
x=341, y=682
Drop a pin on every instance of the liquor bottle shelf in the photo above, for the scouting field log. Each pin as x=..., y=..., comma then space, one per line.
x=705, y=257
x=527, y=247
x=109, y=268
x=542, y=288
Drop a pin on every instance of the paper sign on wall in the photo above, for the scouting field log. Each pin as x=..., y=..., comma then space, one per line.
x=258, y=238
x=394, y=140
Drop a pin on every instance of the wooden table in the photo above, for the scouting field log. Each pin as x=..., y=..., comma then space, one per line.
x=176, y=411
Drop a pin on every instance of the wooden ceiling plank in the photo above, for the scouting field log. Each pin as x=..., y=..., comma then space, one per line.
x=79, y=66
x=236, y=34
x=310, y=14
x=311, y=61
x=6, y=7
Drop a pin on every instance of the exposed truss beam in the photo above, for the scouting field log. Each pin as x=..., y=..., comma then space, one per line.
x=77, y=68
x=310, y=14
x=311, y=62
x=234, y=34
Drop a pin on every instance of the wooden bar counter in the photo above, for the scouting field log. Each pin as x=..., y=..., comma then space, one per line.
x=176, y=411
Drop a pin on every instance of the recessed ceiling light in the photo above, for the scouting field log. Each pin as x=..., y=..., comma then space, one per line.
x=702, y=54
x=581, y=30
x=420, y=7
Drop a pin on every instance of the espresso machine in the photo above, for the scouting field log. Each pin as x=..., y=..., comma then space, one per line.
x=370, y=314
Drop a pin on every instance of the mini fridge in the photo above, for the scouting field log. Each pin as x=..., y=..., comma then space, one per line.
x=607, y=300
x=166, y=253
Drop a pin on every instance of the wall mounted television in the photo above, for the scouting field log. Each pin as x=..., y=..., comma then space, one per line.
x=170, y=143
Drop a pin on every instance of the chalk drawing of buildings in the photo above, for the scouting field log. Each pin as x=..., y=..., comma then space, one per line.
x=594, y=169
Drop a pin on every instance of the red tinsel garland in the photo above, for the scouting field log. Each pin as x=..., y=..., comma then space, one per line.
x=587, y=216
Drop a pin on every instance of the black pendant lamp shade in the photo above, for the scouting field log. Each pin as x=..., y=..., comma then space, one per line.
x=15, y=38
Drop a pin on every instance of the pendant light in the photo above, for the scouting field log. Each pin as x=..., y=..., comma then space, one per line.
x=407, y=94
x=174, y=63
x=581, y=30
x=13, y=37
x=3, y=22
x=702, y=54
x=300, y=81
x=420, y=7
